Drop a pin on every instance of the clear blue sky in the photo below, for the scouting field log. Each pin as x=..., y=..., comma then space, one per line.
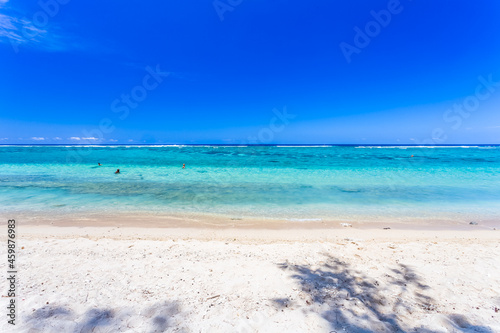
x=75, y=71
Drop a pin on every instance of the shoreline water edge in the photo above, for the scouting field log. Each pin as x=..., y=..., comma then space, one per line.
x=402, y=184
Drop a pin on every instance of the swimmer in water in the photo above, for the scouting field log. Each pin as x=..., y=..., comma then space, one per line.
x=117, y=171
x=184, y=165
x=99, y=164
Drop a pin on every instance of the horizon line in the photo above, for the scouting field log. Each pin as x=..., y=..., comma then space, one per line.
x=250, y=144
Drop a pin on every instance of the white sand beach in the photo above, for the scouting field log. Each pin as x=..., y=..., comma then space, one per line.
x=112, y=279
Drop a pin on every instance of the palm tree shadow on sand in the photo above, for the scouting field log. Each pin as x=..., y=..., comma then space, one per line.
x=356, y=302
x=156, y=318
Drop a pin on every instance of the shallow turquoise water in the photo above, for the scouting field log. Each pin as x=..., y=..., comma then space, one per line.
x=260, y=181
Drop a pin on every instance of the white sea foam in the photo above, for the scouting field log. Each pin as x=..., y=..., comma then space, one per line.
x=322, y=146
x=406, y=147
x=241, y=146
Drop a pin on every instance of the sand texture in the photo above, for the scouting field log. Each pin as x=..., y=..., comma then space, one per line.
x=122, y=280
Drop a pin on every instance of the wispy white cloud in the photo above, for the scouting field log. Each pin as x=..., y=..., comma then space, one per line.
x=18, y=30
x=57, y=138
x=37, y=138
x=113, y=140
x=77, y=138
x=1, y=139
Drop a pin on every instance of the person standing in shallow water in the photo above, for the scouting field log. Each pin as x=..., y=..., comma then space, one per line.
x=117, y=171
x=184, y=165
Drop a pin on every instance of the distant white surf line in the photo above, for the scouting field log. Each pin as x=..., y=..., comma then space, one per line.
x=493, y=146
x=406, y=147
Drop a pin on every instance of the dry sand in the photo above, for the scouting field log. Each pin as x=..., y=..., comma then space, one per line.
x=115, y=279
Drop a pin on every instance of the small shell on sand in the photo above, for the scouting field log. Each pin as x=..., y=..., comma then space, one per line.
x=346, y=224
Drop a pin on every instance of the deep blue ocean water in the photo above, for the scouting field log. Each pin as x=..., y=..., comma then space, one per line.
x=298, y=183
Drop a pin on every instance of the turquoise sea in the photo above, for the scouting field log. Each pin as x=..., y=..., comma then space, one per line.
x=300, y=183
